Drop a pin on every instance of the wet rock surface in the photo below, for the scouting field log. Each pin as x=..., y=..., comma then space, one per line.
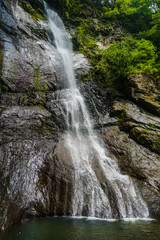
x=81, y=65
x=36, y=172
x=135, y=144
x=35, y=177
x=138, y=162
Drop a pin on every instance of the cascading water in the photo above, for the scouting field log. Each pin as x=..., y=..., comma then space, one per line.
x=100, y=189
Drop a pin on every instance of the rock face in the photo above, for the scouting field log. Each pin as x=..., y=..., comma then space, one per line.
x=35, y=179
x=139, y=158
x=142, y=127
x=144, y=92
x=36, y=173
x=138, y=162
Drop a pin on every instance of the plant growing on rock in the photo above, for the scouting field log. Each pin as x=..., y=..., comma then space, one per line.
x=129, y=56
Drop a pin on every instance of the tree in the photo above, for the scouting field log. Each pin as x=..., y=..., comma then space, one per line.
x=135, y=15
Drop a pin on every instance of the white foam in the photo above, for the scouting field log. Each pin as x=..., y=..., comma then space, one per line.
x=109, y=219
x=102, y=219
x=137, y=219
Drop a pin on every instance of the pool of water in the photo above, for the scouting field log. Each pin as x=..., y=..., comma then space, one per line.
x=63, y=228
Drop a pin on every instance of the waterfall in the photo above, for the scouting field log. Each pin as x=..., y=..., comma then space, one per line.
x=100, y=189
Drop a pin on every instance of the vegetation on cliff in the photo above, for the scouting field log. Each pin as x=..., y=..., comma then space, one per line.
x=119, y=37
x=35, y=13
x=135, y=49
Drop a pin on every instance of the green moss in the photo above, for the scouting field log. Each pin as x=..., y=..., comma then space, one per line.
x=36, y=84
x=36, y=98
x=118, y=119
x=68, y=8
x=147, y=137
x=3, y=87
x=87, y=44
x=35, y=14
x=1, y=61
x=89, y=32
x=47, y=127
x=39, y=106
x=42, y=87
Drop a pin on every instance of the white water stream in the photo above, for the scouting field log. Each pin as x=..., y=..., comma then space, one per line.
x=100, y=189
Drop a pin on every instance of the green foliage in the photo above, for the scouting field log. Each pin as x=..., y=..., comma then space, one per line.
x=87, y=43
x=135, y=15
x=137, y=54
x=153, y=31
x=35, y=14
x=68, y=8
x=129, y=56
x=96, y=22
x=72, y=7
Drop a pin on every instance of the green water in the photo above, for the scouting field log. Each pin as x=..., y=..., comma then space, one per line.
x=82, y=229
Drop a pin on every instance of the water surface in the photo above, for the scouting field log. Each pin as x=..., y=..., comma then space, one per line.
x=82, y=229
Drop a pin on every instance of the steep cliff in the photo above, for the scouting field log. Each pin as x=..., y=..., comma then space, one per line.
x=36, y=174
x=31, y=117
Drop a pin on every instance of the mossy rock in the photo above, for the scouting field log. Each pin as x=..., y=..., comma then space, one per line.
x=39, y=85
x=1, y=64
x=152, y=106
x=1, y=59
x=40, y=33
x=33, y=9
x=117, y=109
x=146, y=137
x=143, y=90
x=36, y=98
